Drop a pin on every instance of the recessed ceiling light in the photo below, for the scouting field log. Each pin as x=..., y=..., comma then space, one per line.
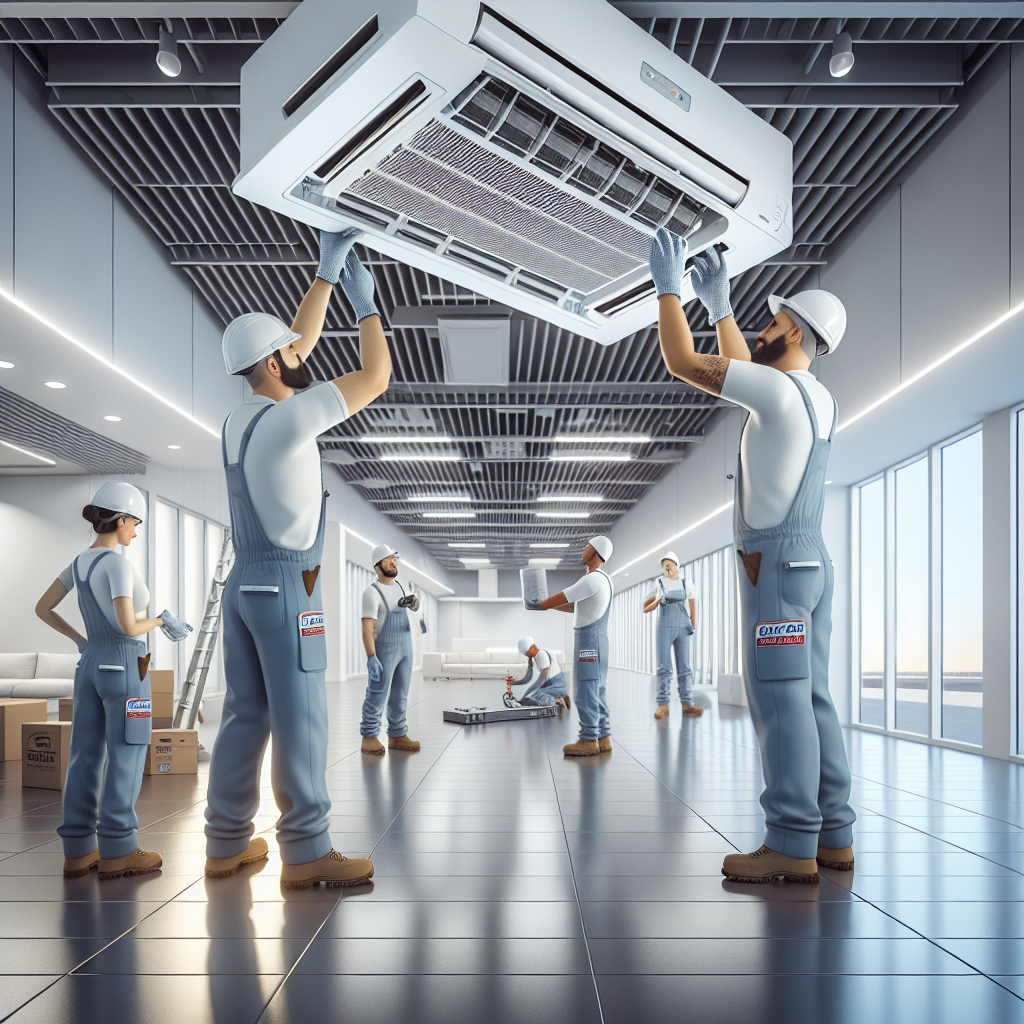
x=411, y=457
x=402, y=439
x=448, y=515
x=475, y=561
x=544, y=561
x=465, y=544
x=5, y=365
x=25, y=451
x=571, y=497
x=549, y=545
x=174, y=447
x=55, y=384
x=603, y=438
x=112, y=419
x=602, y=457
x=562, y=515
x=439, y=497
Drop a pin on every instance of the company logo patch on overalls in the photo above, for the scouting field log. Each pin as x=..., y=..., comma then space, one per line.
x=780, y=634
x=588, y=656
x=311, y=624
x=138, y=707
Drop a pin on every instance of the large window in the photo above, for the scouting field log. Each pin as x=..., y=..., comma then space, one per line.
x=1019, y=525
x=919, y=600
x=357, y=579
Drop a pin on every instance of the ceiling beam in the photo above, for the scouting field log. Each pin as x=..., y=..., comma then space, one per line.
x=109, y=64
x=507, y=439
x=855, y=97
x=820, y=9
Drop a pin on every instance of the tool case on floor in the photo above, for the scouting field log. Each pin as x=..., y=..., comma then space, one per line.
x=480, y=716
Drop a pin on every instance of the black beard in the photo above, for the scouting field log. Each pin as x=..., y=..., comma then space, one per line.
x=770, y=352
x=299, y=378
x=390, y=575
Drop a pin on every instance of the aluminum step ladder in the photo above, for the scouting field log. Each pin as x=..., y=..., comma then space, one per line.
x=206, y=643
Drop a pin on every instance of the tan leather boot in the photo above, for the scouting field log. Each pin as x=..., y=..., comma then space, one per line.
x=140, y=862
x=372, y=745
x=838, y=860
x=563, y=702
x=75, y=867
x=585, y=748
x=403, y=743
x=763, y=865
x=333, y=870
x=225, y=867
x=693, y=710
x=604, y=744
x=662, y=711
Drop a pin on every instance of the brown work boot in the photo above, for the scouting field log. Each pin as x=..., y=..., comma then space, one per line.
x=763, y=865
x=693, y=710
x=225, y=867
x=585, y=748
x=333, y=870
x=372, y=745
x=140, y=862
x=403, y=743
x=838, y=860
x=604, y=744
x=662, y=711
x=75, y=867
x=563, y=702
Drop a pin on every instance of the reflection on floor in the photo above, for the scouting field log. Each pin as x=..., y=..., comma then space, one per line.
x=514, y=885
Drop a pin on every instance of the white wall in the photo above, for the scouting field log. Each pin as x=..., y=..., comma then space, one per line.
x=504, y=621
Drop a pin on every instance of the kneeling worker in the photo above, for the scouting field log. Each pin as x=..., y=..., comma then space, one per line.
x=548, y=685
x=388, y=643
x=784, y=574
x=275, y=651
x=589, y=599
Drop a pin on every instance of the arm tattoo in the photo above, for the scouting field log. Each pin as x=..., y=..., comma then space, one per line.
x=710, y=375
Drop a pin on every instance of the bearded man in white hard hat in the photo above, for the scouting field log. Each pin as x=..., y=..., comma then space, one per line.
x=590, y=600
x=387, y=640
x=275, y=652
x=784, y=572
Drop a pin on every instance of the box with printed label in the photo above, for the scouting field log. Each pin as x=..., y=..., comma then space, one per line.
x=173, y=752
x=13, y=713
x=45, y=749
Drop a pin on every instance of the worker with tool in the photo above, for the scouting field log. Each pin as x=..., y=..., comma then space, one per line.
x=111, y=720
x=590, y=600
x=784, y=572
x=675, y=627
x=547, y=682
x=275, y=652
x=387, y=640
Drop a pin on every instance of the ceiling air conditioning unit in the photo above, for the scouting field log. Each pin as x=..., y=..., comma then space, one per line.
x=524, y=149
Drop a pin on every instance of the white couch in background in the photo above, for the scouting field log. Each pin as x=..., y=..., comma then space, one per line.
x=38, y=675
x=477, y=664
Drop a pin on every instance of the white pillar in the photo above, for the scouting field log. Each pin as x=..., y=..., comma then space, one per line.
x=332, y=586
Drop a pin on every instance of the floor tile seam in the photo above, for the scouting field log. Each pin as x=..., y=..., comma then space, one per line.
x=21, y=814
x=575, y=887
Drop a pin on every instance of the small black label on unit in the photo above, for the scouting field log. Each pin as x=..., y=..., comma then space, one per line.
x=657, y=81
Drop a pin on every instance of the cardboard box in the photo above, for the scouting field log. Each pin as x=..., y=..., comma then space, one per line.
x=173, y=752
x=163, y=705
x=161, y=680
x=66, y=709
x=45, y=750
x=13, y=713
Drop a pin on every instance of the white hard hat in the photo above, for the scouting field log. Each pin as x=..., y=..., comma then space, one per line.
x=120, y=497
x=382, y=551
x=821, y=311
x=252, y=337
x=671, y=556
x=602, y=545
x=525, y=644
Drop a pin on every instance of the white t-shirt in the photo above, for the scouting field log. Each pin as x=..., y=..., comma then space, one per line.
x=282, y=463
x=114, y=577
x=777, y=439
x=591, y=595
x=667, y=586
x=375, y=608
x=544, y=661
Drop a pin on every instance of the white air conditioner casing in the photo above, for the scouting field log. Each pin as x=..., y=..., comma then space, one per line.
x=524, y=149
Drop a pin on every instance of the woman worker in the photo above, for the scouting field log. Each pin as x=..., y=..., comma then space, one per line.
x=675, y=627
x=112, y=720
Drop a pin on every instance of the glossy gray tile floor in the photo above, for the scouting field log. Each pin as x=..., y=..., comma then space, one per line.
x=514, y=885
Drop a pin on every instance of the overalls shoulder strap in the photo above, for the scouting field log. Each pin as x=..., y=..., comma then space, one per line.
x=384, y=601
x=79, y=582
x=809, y=405
x=246, y=434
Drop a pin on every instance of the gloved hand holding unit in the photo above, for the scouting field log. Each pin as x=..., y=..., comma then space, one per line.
x=709, y=278
x=533, y=605
x=173, y=628
x=409, y=601
x=374, y=668
x=357, y=283
x=668, y=260
x=334, y=248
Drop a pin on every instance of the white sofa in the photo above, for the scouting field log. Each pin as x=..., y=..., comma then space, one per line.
x=478, y=664
x=38, y=675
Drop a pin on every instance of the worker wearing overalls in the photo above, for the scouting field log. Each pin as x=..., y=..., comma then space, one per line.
x=675, y=627
x=548, y=686
x=590, y=600
x=784, y=572
x=112, y=715
x=275, y=652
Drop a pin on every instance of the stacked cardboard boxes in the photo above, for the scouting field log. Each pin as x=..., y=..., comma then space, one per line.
x=173, y=752
x=45, y=750
x=161, y=682
x=13, y=713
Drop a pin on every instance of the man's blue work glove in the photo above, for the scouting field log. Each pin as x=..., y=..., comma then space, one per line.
x=174, y=630
x=668, y=258
x=357, y=283
x=334, y=247
x=709, y=279
x=374, y=668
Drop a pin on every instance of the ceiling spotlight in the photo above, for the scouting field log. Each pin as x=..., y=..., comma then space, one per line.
x=174, y=447
x=55, y=384
x=5, y=365
x=841, y=61
x=167, y=55
x=112, y=419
